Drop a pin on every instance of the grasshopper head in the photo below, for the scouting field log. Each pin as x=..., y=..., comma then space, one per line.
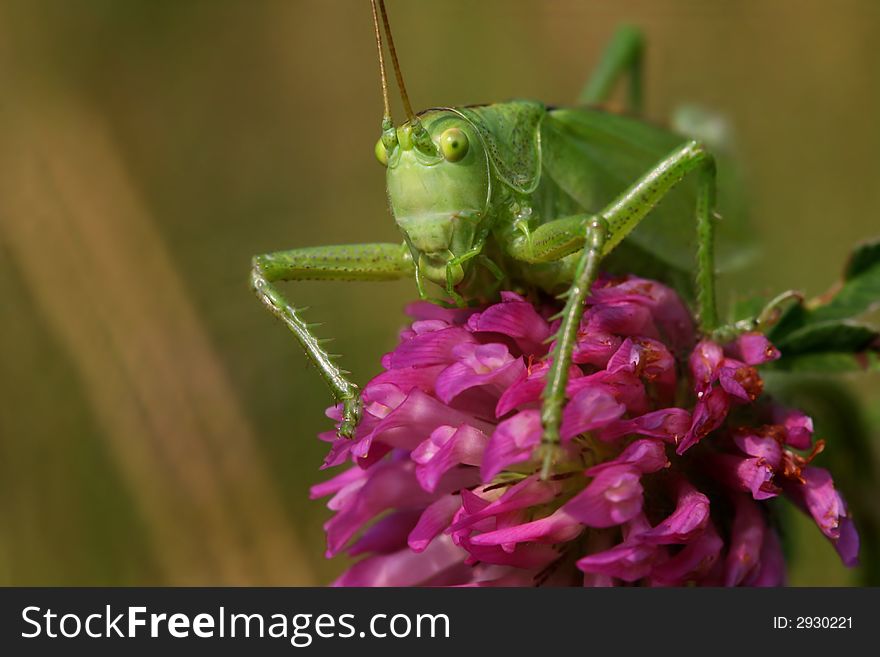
x=438, y=187
x=438, y=176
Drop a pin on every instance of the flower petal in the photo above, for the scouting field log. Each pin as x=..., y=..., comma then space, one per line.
x=669, y=312
x=611, y=498
x=559, y=527
x=621, y=318
x=688, y=520
x=391, y=485
x=408, y=424
x=847, y=545
x=708, y=415
x=693, y=563
x=594, y=347
x=436, y=517
x=817, y=495
x=526, y=555
x=754, y=475
x=798, y=427
x=516, y=318
x=646, y=358
x=531, y=491
x=761, y=443
x=754, y=349
x=404, y=568
x=746, y=541
x=624, y=386
x=669, y=424
x=433, y=348
x=337, y=483
x=405, y=379
x=740, y=380
x=645, y=455
x=480, y=365
x=529, y=386
x=591, y=408
x=446, y=448
x=704, y=363
x=771, y=570
x=387, y=535
x=629, y=561
x=513, y=441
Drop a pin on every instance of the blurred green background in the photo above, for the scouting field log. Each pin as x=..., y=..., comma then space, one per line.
x=156, y=425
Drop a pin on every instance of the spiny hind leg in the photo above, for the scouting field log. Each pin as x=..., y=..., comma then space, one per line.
x=621, y=57
x=355, y=262
x=553, y=396
x=636, y=203
x=565, y=235
x=561, y=237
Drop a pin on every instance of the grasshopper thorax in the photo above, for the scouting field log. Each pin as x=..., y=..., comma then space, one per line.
x=438, y=190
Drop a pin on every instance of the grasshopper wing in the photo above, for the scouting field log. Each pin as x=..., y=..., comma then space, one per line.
x=594, y=155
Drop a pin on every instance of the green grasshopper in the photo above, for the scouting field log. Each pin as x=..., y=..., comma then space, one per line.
x=520, y=195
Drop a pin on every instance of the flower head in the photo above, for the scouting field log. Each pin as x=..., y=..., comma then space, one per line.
x=668, y=452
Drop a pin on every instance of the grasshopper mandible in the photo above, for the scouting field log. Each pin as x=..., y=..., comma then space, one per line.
x=515, y=194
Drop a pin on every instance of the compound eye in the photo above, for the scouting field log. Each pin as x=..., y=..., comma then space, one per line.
x=454, y=144
x=381, y=153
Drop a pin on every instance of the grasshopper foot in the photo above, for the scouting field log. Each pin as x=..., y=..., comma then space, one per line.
x=352, y=408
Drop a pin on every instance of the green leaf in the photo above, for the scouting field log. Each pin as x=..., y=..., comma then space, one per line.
x=855, y=298
x=858, y=293
x=832, y=336
x=830, y=363
x=792, y=319
x=828, y=347
x=864, y=257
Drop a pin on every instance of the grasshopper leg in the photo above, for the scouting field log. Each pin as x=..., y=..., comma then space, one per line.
x=553, y=396
x=457, y=299
x=622, y=56
x=566, y=235
x=355, y=262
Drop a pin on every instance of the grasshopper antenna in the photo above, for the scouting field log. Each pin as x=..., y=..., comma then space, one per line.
x=407, y=108
x=389, y=133
x=387, y=116
x=421, y=139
